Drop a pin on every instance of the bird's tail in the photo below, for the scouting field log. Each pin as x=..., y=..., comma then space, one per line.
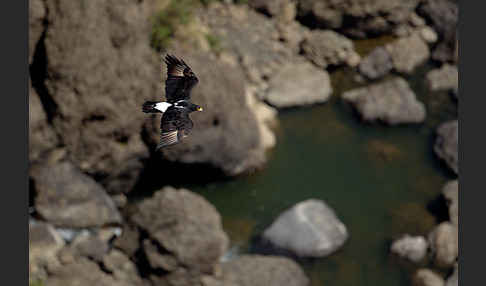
x=149, y=107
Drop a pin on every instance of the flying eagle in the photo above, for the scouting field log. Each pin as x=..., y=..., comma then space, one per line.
x=175, y=123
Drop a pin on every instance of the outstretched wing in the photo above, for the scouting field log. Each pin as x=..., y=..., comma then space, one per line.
x=175, y=125
x=180, y=79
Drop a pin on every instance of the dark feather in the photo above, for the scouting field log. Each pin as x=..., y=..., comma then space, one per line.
x=175, y=125
x=180, y=79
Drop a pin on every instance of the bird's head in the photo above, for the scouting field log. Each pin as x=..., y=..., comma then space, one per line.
x=196, y=107
x=189, y=73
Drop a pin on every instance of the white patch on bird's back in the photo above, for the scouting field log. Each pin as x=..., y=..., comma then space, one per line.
x=162, y=106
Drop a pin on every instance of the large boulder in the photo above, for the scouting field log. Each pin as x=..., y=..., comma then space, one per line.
x=446, y=144
x=391, y=101
x=451, y=193
x=280, y=9
x=257, y=270
x=443, y=16
x=100, y=69
x=444, y=244
x=298, y=84
x=376, y=64
x=226, y=134
x=68, y=198
x=413, y=248
x=408, y=53
x=443, y=78
x=184, y=225
x=427, y=277
x=327, y=47
x=356, y=17
x=308, y=229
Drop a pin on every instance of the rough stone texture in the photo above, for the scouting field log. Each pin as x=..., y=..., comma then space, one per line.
x=256, y=270
x=82, y=272
x=408, y=53
x=90, y=246
x=453, y=280
x=413, y=248
x=42, y=137
x=451, y=194
x=391, y=101
x=366, y=17
x=327, y=47
x=298, y=84
x=122, y=268
x=158, y=260
x=225, y=134
x=376, y=64
x=446, y=144
x=99, y=69
x=129, y=240
x=275, y=8
x=443, y=78
x=184, y=224
x=310, y=228
x=68, y=198
x=443, y=16
x=44, y=244
x=250, y=38
x=37, y=13
x=444, y=244
x=426, y=277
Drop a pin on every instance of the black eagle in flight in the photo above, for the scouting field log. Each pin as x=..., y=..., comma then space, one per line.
x=175, y=123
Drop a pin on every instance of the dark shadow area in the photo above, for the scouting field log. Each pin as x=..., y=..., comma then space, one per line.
x=38, y=75
x=438, y=207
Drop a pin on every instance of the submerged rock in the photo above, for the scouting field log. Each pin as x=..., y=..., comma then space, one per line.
x=426, y=277
x=68, y=198
x=185, y=225
x=298, y=84
x=413, y=248
x=451, y=194
x=408, y=53
x=446, y=144
x=391, y=101
x=376, y=64
x=257, y=270
x=443, y=78
x=327, y=47
x=310, y=228
x=444, y=244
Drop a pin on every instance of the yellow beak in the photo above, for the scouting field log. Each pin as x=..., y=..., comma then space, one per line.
x=199, y=108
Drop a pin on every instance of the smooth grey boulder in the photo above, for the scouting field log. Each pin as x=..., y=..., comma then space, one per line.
x=413, y=248
x=446, y=144
x=298, y=84
x=391, y=101
x=68, y=198
x=310, y=228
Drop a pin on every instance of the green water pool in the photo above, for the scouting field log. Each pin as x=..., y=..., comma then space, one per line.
x=378, y=179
